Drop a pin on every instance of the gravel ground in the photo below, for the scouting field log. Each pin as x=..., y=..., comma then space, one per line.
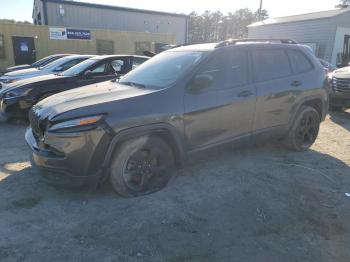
x=257, y=203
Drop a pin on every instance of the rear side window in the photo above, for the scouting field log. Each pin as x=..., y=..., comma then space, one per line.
x=300, y=62
x=271, y=64
x=137, y=61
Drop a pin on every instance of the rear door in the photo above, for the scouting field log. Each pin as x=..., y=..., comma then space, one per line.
x=224, y=110
x=276, y=87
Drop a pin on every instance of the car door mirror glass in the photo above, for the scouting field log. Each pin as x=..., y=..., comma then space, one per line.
x=200, y=82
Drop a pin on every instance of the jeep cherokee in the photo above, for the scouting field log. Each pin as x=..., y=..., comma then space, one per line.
x=190, y=98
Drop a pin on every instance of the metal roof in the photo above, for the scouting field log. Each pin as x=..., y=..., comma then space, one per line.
x=302, y=17
x=112, y=7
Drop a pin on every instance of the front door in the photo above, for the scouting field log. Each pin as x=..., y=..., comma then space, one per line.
x=23, y=50
x=225, y=109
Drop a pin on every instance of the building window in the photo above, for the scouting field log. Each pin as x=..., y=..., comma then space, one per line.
x=39, y=19
x=141, y=47
x=105, y=47
x=2, y=46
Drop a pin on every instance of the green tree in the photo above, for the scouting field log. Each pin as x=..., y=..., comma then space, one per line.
x=215, y=26
x=11, y=21
x=343, y=3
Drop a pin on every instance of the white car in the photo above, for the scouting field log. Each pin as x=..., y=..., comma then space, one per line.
x=57, y=66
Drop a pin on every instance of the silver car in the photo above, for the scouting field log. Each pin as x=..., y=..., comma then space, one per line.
x=57, y=66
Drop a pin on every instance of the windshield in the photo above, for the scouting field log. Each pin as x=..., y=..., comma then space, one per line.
x=41, y=62
x=57, y=63
x=163, y=69
x=77, y=69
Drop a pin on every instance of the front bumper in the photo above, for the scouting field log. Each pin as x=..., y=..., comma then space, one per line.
x=16, y=106
x=69, y=159
x=340, y=99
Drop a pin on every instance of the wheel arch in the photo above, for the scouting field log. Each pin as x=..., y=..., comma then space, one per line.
x=165, y=131
x=317, y=102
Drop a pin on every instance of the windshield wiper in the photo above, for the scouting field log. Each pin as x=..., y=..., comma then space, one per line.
x=133, y=84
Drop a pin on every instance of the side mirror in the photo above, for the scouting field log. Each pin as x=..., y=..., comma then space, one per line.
x=200, y=82
x=88, y=74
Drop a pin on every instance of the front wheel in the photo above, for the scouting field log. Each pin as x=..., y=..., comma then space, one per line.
x=141, y=166
x=305, y=129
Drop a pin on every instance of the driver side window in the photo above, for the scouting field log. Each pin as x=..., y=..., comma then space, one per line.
x=217, y=69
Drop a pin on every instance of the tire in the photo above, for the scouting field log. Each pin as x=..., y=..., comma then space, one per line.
x=141, y=166
x=304, y=130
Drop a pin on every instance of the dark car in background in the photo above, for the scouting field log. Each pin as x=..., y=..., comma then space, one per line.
x=340, y=89
x=181, y=101
x=40, y=63
x=17, y=99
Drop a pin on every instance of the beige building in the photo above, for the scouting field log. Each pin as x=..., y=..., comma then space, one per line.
x=25, y=43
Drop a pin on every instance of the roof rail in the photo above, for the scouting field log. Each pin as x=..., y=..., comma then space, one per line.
x=270, y=40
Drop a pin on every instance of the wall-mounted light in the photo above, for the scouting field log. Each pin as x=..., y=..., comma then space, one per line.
x=61, y=10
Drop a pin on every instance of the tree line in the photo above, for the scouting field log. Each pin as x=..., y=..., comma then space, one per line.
x=215, y=26
x=343, y=4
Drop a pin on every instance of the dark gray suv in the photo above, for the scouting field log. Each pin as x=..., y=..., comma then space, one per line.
x=133, y=132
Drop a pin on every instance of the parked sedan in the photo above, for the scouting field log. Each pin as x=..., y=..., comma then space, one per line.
x=40, y=63
x=17, y=99
x=57, y=66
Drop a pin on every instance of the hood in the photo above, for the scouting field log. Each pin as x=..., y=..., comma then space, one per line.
x=342, y=72
x=34, y=81
x=14, y=68
x=39, y=80
x=90, y=95
x=21, y=73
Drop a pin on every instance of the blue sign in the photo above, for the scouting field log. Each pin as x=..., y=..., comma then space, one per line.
x=78, y=34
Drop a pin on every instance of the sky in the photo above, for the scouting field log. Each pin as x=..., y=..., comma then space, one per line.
x=22, y=9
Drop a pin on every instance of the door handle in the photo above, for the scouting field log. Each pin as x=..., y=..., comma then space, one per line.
x=245, y=93
x=296, y=83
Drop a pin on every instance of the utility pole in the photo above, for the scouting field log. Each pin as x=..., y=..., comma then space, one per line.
x=260, y=9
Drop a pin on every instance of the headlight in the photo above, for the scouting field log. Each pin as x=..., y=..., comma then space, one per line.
x=80, y=122
x=17, y=93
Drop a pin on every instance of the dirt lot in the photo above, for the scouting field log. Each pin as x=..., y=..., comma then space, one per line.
x=249, y=204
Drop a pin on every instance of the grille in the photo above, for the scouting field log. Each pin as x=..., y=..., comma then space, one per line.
x=341, y=84
x=34, y=120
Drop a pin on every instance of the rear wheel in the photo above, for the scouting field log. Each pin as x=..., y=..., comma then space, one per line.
x=141, y=166
x=305, y=129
